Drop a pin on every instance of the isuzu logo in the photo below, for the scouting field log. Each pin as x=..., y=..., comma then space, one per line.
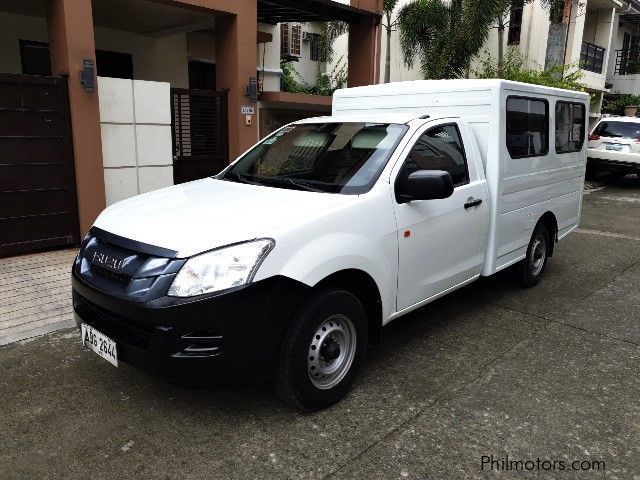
x=107, y=261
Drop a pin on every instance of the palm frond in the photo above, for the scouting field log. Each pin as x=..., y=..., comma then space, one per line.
x=444, y=35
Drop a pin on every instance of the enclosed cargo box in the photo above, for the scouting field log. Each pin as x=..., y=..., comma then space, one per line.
x=531, y=140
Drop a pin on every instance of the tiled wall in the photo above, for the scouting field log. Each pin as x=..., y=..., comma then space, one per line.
x=135, y=119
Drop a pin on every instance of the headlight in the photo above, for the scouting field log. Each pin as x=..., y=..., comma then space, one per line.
x=220, y=269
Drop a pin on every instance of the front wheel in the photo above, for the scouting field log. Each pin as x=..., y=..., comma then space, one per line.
x=322, y=350
x=529, y=271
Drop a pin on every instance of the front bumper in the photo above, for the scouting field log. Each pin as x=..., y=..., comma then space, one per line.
x=226, y=336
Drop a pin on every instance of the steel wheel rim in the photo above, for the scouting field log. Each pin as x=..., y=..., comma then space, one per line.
x=331, y=352
x=538, y=255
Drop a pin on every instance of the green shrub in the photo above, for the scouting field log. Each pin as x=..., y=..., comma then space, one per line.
x=614, y=104
x=513, y=68
x=325, y=83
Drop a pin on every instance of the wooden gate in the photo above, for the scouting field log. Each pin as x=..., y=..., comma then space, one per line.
x=38, y=204
x=199, y=131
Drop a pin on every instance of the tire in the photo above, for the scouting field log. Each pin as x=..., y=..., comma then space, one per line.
x=311, y=382
x=528, y=272
x=591, y=173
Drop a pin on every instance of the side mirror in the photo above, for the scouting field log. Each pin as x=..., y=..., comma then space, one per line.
x=425, y=185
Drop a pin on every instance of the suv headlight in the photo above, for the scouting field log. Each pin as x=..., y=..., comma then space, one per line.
x=220, y=269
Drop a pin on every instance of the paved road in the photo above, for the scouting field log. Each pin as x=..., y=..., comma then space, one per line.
x=550, y=373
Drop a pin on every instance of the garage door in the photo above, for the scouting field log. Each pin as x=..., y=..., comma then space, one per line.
x=38, y=206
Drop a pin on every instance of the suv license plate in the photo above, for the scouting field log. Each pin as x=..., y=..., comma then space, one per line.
x=99, y=343
x=614, y=146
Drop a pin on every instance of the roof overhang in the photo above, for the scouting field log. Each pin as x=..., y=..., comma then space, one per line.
x=631, y=19
x=276, y=11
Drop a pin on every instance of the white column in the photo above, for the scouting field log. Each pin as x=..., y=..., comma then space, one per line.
x=606, y=32
x=576, y=29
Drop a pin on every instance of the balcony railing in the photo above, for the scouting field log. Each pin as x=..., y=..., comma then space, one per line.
x=627, y=61
x=591, y=57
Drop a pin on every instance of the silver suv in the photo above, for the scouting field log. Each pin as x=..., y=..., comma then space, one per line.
x=614, y=145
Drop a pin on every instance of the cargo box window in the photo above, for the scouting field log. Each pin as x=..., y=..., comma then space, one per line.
x=527, y=127
x=570, y=123
x=439, y=148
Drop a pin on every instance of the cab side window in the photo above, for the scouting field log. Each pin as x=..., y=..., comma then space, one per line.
x=439, y=148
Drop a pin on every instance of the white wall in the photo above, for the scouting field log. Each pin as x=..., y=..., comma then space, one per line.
x=307, y=68
x=201, y=46
x=399, y=71
x=158, y=59
x=270, y=53
x=135, y=120
x=622, y=83
x=13, y=28
x=598, y=28
x=616, y=42
x=534, y=34
x=533, y=38
x=628, y=84
x=340, y=52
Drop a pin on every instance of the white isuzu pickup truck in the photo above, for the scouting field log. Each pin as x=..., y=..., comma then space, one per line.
x=287, y=263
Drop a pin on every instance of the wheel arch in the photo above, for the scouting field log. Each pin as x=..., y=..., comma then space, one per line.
x=364, y=287
x=548, y=219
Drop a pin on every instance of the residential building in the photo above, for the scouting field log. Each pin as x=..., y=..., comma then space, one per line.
x=581, y=41
x=597, y=37
x=623, y=73
x=104, y=99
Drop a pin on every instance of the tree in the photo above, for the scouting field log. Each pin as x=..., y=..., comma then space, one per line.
x=329, y=32
x=446, y=34
x=388, y=7
x=502, y=22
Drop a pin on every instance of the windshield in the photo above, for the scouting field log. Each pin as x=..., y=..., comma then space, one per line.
x=324, y=157
x=618, y=129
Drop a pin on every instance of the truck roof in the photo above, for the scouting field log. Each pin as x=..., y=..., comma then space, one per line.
x=453, y=85
x=374, y=117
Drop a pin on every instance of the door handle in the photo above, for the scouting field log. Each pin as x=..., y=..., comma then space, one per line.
x=472, y=203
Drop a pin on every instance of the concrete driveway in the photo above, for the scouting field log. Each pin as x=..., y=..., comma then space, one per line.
x=35, y=294
x=549, y=374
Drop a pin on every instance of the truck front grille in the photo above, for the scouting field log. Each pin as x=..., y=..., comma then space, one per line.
x=121, y=279
x=128, y=273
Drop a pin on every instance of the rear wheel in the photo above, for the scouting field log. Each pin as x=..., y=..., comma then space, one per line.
x=322, y=350
x=591, y=173
x=529, y=271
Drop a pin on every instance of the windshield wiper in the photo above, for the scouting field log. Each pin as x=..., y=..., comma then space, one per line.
x=304, y=186
x=243, y=179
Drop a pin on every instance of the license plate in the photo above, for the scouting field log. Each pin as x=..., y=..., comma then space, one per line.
x=614, y=146
x=100, y=344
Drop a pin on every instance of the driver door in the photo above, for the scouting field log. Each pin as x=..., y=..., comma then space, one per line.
x=440, y=241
